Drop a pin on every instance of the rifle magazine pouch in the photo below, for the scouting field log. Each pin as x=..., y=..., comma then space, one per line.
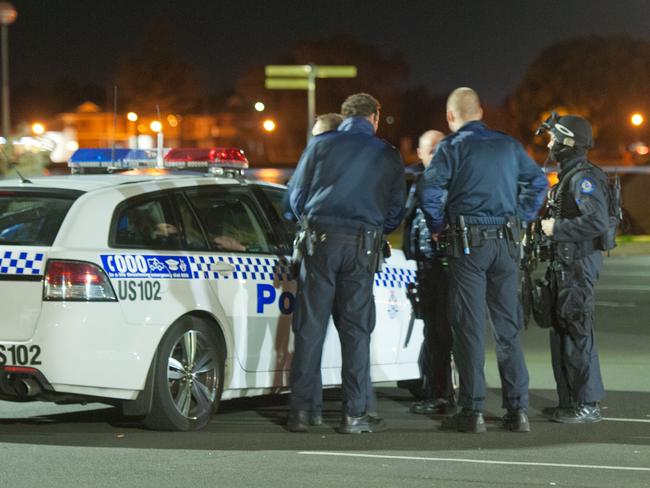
x=573, y=302
x=543, y=303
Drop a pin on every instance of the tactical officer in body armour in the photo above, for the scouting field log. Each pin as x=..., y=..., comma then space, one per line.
x=579, y=220
x=479, y=182
x=432, y=290
x=349, y=188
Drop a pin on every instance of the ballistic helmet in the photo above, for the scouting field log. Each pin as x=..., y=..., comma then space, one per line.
x=572, y=131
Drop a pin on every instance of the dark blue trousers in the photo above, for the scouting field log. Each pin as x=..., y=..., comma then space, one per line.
x=336, y=281
x=488, y=275
x=574, y=355
x=435, y=354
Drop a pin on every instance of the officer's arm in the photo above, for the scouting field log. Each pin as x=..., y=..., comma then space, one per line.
x=433, y=191
x=591, y=197
x=397, y=195
x=301, y=180
x=533, y=185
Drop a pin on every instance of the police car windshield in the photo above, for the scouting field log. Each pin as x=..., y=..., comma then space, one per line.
x=31, y=219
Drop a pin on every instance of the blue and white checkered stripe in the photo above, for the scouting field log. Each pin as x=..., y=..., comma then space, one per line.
x=261, y=269
x=392, y=277
x=21, y=263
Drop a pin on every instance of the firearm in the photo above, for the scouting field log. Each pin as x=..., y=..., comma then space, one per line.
x=303, y=244
x=412, y=293
x=536, y=248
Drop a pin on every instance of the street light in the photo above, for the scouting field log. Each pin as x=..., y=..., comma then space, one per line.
x=269, y=125
x=132, y=117
x=259, y=106
x=8, y=16
x=38, y=128
x=636, y=119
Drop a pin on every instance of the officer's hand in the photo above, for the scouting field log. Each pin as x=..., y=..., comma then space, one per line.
x=547, y=226
x=434, y=237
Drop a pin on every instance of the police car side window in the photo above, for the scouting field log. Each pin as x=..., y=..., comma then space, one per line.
x=194, y=239
x=229, y=219
x=273, y=203
x=148, y=224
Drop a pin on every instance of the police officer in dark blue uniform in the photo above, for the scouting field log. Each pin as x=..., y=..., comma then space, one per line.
x=432, y=287
x=578, y=229
x=479, y=183
x=348, y=190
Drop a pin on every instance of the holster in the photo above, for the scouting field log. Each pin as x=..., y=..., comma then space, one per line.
x=303, y=244
x=544, y=300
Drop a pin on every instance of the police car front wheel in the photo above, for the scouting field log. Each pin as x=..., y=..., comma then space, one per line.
x=188, y=376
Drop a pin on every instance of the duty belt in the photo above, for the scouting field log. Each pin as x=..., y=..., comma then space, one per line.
x=479, y=233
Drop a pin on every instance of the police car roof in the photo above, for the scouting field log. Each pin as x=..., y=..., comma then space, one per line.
x=91, y=182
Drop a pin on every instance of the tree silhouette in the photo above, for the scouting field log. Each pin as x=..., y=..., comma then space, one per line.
x=155, y=73
x=603, y=79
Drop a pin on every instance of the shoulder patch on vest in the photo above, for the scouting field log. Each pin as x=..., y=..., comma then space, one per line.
x=587, y=186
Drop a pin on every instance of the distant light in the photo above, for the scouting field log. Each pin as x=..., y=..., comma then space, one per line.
x=132, y=116
x=3, y=140
x=269, y=125
x=642, y=150
x=156, y=126
x=172, y=120
x=38, y=129
x=636, y=119
x=72, y=145
x=259, y=106
x=141, y=128
x=390, y=120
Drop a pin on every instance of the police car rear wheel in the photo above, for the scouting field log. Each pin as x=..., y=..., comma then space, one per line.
x=188, y=377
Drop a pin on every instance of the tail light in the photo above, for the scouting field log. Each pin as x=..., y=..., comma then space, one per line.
x=76, y=281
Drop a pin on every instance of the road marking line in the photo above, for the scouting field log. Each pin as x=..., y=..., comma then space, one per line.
x=613, y=419
x=616, y=304
x=475, y=461
x=622, y=288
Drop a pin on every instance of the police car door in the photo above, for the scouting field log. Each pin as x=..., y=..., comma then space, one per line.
x=251, y=283
x=392, y=308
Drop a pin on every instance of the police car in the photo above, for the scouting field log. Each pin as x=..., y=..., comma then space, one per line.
x=162, y=292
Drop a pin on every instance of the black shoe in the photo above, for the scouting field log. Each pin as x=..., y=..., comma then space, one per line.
x=298, y=421
x=465, y=421
x=550, y=411
x=516, y=421
x=439, y=406
x=364, y=423
x=582, y=413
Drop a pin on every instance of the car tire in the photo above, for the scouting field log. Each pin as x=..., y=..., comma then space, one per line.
x=187, y=376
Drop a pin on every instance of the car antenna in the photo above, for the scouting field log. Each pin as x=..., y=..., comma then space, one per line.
x=13, y=164
x=22, y=178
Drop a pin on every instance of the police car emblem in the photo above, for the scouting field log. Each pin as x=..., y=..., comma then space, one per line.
x=586, y=186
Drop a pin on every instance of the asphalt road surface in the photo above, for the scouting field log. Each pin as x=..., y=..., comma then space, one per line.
x=247, y=445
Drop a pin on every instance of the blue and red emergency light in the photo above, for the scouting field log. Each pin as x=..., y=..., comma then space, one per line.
x=215, y=159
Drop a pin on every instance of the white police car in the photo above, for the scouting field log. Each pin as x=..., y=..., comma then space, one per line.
x=163, y=293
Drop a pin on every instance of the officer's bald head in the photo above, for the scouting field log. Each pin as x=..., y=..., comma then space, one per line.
x=463, y=105
x=427, y=145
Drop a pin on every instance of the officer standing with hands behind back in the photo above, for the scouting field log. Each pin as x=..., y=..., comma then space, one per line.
x=479, y=183
x=578, y=229
x=347, y=191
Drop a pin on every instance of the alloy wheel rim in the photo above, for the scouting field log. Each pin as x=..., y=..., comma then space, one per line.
x=193, y=375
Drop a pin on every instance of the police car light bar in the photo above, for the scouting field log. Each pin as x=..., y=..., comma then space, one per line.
x=215, y=160
x=111, y=159
x=214, y=157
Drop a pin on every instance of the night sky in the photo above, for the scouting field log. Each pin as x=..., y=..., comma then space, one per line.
x=485, y=44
